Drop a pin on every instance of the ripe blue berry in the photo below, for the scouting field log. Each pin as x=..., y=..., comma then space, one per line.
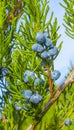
x=44, y=55
x=17, y=107
x=48, y=42
x=45, y=34
x=40, y=38
x=28, y=74
x=53, y=51
x=37, y=81
x=55, y=74
x=37, y=48
x=64, y=73
x=36, y=98
x=27, y=94
x=68, y=122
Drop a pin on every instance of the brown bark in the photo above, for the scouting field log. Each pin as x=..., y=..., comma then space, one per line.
x=50, y=82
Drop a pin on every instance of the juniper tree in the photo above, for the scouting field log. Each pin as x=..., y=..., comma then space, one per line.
x=30, y=98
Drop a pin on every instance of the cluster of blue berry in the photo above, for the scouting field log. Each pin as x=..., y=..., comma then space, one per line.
x=30, y=97
x=34, y=98
x=46, y=50
x=44, y=47
x=28, y=74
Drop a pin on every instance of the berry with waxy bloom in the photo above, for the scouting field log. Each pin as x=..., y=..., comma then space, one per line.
x=55, y=74
x=28, y=74
x=36, y=98
x=37, y=48
x=53, y=51
x=27, y=94
x=48, y=43
x=40, y=38
x=44, y=55
x=64, y=73
x=68, y=122
x=37, y=81
x=17, y=107
x=45, y=34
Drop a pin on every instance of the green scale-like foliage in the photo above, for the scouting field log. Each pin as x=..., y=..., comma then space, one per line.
x=69, y=17
x=8, y=22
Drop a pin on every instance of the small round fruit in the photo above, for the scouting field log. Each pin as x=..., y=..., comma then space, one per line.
x=45, y=34
x=55, y=74
x=53, y=51
x=28, y=74
x=36, y=98
x=68, y=122
x=48, y=42
x=27, y=94
x=40, y=38
x=44, y=55
x=64, y=73
x=36, y=82
x=17, y=107
x=37, y=48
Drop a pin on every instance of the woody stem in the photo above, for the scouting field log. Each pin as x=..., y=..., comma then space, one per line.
x=50, y=82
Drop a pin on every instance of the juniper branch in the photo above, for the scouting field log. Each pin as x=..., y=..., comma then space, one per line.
x=13, y=12
x=69, y=80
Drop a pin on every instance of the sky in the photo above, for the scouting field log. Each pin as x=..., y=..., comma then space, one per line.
x=67, y=52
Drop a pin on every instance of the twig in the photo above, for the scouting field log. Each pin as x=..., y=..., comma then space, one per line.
x=50, y=82
x=13, y=12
